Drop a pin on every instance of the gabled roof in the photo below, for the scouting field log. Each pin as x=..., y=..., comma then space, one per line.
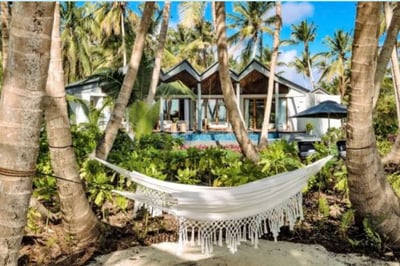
x=86, y=84
x=256, y=65
x=320, y=91
x=253, y=79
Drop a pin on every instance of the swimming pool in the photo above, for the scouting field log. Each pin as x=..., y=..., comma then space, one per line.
x=219, y=136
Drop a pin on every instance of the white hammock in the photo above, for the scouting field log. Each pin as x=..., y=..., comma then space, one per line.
x=232, y=213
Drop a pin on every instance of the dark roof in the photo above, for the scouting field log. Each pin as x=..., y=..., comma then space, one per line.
x=253, y=79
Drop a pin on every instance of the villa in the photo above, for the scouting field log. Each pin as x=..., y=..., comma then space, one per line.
x=208, y=113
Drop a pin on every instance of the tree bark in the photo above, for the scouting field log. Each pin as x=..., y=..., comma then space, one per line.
x=239, y=129
x=79, y=221
x=160, y=51
x=274, y=58
x=21, y=113
x=110, y=133
x=370, y=193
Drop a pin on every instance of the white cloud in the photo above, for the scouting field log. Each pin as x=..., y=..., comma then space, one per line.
x=294, y=12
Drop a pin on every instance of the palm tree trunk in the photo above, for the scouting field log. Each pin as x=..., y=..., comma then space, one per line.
x=123, y=32
x=160, y=51
x=21, y=117
x=370, y=192
x=239, y=130
x=274, y=58
x=253, y=53
x=5, y=21
x=310, y=74
x=394, y=155
x=386, y=51
x=110, y=133
x=80, y=223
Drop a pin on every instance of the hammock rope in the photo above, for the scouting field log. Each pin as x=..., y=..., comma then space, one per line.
x=214, y=214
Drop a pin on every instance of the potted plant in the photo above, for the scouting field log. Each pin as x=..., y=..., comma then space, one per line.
x=174, y=127
x=309, y=128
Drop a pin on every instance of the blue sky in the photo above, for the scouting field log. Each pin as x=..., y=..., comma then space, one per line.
x=328, y=16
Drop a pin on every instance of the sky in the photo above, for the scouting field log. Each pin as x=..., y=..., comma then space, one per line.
x=328, y=16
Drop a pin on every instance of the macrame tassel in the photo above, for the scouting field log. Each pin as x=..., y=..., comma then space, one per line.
x=199, y=236
x=192, y=237
x=244, y=233
x=182, y=234
x=236, y=231
x=220, y=237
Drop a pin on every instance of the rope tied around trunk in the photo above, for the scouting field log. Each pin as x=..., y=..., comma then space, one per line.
x=17, y=173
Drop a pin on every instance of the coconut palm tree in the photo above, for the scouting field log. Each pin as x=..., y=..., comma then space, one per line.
x=301, y=64
x=20, y=118
x=195, y=35
x=370, y=193
x=305, y=33
x=112, y=18
x=110, y=133
x=78, y=34
x=250, y=18
x=339, y=63
x=159, y=54
x=239, y=129
x=79, y=222
x=274, y=58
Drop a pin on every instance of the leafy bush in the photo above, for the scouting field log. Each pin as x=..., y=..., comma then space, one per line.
x=281, y=156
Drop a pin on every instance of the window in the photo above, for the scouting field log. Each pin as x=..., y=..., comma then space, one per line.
x=254, y=112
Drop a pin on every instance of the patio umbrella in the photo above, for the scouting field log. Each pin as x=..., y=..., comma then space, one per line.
x=327, y=109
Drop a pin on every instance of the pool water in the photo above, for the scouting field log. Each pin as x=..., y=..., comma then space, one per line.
x=220, y=136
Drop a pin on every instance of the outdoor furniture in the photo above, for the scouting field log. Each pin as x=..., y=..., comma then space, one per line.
x=341, y=146
x=217, y=215
x=167, y=125
x=182, y=126
x=326, y=109
x=306, y=148
x=218, y=125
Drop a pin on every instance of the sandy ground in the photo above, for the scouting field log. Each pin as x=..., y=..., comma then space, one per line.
x=268, y=253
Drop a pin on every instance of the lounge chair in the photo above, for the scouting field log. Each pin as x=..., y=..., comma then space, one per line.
x=341, y=146
x=306, y=148
x=218, y=125
x=167, y=124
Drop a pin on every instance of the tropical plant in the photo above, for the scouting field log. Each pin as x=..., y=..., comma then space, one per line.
x=159, y=54
x=112, y=17
x=302, y=64
x=338, y=67
x=104, y=146
x=280, y=156
x=250, y=18
x=304, y=33
x=79, y=35
x=193, y=40
x=143, y=118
